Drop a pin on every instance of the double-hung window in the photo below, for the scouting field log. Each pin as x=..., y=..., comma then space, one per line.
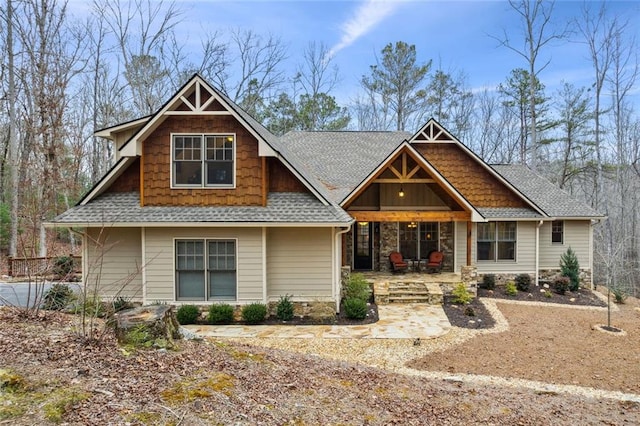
x=496, y=241
x=557, y=232
x=206, y=270
x=203, y=160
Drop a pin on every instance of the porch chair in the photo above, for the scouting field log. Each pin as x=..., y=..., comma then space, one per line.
x=434, y=263
x=397, y=262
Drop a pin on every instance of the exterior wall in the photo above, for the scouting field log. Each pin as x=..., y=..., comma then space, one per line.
x=300, y=262
x=472, y=180
x=525, y=253
x=281, y=179
x=160, y=258
x=156, y=163
x=129, y=180
x=461, y=245
x=112, y=266
x=576, y=236
x=122, y=137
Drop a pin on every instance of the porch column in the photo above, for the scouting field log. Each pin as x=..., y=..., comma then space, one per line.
x=468, y=243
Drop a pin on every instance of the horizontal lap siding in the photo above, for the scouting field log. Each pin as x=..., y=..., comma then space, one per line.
x=160, y=272
x=113, y=264
x=299, y=262
x=525, y=253
x=576, y=236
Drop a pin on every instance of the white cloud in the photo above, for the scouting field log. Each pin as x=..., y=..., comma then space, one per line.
x=366, y=17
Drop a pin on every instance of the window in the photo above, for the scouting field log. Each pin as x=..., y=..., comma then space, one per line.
x=418, y=239
x=203, y=160
x=205, y=270
x=557, y=232
x=496, y=241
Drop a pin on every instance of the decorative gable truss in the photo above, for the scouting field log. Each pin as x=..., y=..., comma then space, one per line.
x=432, y=134
x=195, y=98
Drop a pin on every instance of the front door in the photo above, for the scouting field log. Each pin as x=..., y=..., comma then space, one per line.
x=362, y=244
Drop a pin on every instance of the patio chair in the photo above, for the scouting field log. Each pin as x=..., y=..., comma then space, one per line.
x=434, y=264
x=397, y=262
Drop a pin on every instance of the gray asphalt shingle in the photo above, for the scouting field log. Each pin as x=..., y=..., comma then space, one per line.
x=115, y=208
x=554, y=201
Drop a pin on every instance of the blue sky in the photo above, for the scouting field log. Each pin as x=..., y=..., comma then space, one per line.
x=456, y=35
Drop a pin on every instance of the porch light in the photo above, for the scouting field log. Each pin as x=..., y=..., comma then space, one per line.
x=363, y=223
x=401, y=193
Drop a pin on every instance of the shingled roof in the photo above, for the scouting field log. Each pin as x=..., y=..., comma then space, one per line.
x=282, y=207
x=554, y=201
x=341, y=160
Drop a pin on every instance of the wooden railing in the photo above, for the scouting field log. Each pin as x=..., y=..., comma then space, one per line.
x=32, y=266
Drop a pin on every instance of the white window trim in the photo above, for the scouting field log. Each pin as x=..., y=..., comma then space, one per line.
x=496, y=260
x=206, y=300
x=203, y=185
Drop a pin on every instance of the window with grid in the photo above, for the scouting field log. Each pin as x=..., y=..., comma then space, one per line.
x=418, y=239
x=496, y=241
x=203, y=160
x=557, y=232
x=206, y=270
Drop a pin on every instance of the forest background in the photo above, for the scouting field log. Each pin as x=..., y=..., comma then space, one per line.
x=64, y=76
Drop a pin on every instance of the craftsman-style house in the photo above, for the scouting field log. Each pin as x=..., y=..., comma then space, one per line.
x=205, y=205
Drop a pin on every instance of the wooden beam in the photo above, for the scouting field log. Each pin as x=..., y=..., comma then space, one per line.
x=142, y=177
x=407, y=180
x=410, y=216
x=197, y=113
x=265, y=183
x=468, y=243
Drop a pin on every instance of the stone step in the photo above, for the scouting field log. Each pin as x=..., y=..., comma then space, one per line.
x=408, y=293
x=410, y=299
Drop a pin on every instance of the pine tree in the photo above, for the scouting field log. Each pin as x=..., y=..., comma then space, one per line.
x=570, y=268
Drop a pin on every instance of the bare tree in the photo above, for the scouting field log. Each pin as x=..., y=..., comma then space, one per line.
x=257, y=73
x=537, y=34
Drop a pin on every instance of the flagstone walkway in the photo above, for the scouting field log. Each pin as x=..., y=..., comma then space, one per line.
x=398, y=321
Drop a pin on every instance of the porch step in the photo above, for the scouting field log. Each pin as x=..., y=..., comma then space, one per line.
x=408, y=292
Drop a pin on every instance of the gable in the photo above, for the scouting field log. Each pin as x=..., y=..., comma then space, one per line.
x=406, y=185
x=475, y=183
x=475, y=179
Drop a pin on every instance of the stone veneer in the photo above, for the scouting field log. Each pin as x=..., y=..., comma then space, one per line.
x=388, y=244
x=446, y=245
x=544, y=275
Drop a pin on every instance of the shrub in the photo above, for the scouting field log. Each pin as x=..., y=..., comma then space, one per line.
x=561, y=284
x=284, y=309
x=187, y=314
x=254, y=313
x=220, y=314
x=357, y=288
x=619, y=294
x=355, y=308
x=58, y=297
x=120, y=304
x=548, y=294
x=461, y=295
x=523, y=281
x=510, y=288
x=63, y=266
x=489, y=281
x=570, y=268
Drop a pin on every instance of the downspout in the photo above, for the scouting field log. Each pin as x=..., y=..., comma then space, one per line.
x=337, y=285
x=143, y=248
x=537, y=273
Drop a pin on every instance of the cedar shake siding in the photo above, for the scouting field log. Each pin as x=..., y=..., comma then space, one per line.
x=129, y=180
x=473, y=181
x=156, y=158
x=281, y=179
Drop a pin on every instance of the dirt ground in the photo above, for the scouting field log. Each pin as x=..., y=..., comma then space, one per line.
x=555, y=345
x=48, y=375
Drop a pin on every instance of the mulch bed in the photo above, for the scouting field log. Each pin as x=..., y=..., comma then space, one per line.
x=340, y=319
x=537, y=294
x=461, y=315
